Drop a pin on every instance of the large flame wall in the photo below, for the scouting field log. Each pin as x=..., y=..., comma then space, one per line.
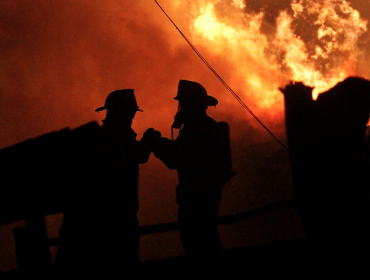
x=60, y=59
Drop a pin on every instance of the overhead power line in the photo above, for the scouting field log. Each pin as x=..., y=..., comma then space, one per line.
x=223, y=82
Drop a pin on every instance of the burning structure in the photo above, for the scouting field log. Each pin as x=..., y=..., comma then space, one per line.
x=60, y=58
x=330, y=165
x=57, y=57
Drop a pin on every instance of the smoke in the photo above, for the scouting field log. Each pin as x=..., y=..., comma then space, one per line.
x=60, y=59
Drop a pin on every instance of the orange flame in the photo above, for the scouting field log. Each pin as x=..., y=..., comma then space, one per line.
x=315, y=42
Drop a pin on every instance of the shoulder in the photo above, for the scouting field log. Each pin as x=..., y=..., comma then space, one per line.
x=223, y=127
x=210, y=120
x=220, y=126
x=210, y=123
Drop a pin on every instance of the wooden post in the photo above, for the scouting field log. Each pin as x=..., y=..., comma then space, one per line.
x=32, y=249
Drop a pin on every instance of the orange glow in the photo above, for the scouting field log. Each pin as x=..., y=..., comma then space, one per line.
x=264, y=62
x=60, y=61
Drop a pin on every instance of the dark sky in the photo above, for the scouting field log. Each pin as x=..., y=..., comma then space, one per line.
x=60, y=59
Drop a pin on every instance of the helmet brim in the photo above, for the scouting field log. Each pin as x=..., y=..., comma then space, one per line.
x=105, y=108
x=209, y=100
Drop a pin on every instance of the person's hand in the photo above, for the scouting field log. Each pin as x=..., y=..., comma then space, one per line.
x=152, y=135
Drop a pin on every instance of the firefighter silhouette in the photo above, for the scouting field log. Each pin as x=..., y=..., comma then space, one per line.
x=100, y=229
x=201, y=154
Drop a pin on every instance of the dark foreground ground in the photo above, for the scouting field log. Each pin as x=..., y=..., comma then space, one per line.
x=285, y=260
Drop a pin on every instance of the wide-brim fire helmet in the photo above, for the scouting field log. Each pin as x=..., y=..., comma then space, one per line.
x=194, y=93
x=122, y=99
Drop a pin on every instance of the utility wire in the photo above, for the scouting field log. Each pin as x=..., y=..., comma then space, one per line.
x=223, y=82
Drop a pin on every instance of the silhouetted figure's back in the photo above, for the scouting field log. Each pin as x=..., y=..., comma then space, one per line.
x=99, y=234
x=201, y=155
x=326, y=140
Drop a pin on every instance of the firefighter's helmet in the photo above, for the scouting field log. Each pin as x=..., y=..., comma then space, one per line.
x=193, y=92
x=122, y=99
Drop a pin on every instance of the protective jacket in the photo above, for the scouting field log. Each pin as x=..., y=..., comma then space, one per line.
x=201, y=154
x=100, y=228
x=119, y=155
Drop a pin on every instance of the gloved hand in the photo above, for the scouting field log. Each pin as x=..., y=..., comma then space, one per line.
x=151, y=135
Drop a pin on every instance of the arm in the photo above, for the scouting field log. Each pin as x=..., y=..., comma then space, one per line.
x=165, y=150
x=224, y=152
x=162, y=148
x=144, y=151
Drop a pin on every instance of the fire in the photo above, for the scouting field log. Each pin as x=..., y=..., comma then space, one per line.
x=315, y=42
